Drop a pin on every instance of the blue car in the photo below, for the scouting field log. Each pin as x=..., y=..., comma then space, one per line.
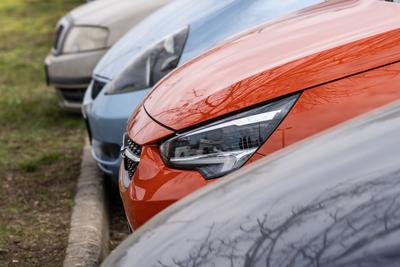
x=165, y=40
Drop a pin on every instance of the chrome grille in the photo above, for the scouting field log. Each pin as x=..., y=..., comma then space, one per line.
x=131, y=155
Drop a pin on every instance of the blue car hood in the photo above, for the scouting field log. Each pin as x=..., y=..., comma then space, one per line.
x=210, y=22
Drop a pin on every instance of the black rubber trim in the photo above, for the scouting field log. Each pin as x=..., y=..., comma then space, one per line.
x=70, y=81
x=163, y=125
x=88, y=130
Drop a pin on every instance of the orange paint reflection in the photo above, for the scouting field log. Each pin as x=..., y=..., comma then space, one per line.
x=326, y=106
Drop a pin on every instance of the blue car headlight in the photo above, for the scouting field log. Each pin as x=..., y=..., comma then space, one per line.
x=224, y=146
x=152, y=65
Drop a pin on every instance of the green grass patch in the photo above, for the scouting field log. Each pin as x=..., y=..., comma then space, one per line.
x=30, y=165
x=51, y=157
x=29, y=114
x=7, y=230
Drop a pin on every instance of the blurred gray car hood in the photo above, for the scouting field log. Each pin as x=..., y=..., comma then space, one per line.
x=103, y=13
x=118, y=16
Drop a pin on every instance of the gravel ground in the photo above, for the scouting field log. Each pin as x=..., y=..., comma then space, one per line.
x=118, y=223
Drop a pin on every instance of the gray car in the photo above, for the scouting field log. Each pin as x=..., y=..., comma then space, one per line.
x=330, y=201
x=83, y=36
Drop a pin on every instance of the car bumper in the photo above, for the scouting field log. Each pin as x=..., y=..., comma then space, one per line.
x=106, y=117
x=71, y=74
x=70, y=99
x=154, y=187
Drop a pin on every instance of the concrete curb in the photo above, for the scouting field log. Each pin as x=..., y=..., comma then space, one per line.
x=89, y=232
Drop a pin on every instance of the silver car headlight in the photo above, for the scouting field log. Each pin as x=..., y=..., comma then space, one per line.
x=85, y=38
x=224, y=146
x=150, y=66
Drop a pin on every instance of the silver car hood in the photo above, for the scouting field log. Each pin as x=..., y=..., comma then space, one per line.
x=118, y=16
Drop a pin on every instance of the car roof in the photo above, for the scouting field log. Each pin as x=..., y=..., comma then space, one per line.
x=210, y=22
x=331, y=200
x=325, y=42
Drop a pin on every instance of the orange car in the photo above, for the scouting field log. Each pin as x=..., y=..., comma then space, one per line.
x=256, y=93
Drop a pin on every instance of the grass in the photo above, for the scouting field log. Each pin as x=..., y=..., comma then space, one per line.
x=40, y=145
x=30, y=165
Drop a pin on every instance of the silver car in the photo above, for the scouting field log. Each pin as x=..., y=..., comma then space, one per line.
x=83, y=36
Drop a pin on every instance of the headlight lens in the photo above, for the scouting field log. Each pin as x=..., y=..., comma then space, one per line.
x=152, y=65
x=224, y=146
x=80, y=39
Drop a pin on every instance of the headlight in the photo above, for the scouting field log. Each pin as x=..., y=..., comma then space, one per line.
x=84, y=38
x=224, y=146
x=152, y=65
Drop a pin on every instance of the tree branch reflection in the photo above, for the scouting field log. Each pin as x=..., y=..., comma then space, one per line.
x=338, y=226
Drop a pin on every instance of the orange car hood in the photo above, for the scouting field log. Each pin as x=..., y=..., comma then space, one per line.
x=311, y=47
